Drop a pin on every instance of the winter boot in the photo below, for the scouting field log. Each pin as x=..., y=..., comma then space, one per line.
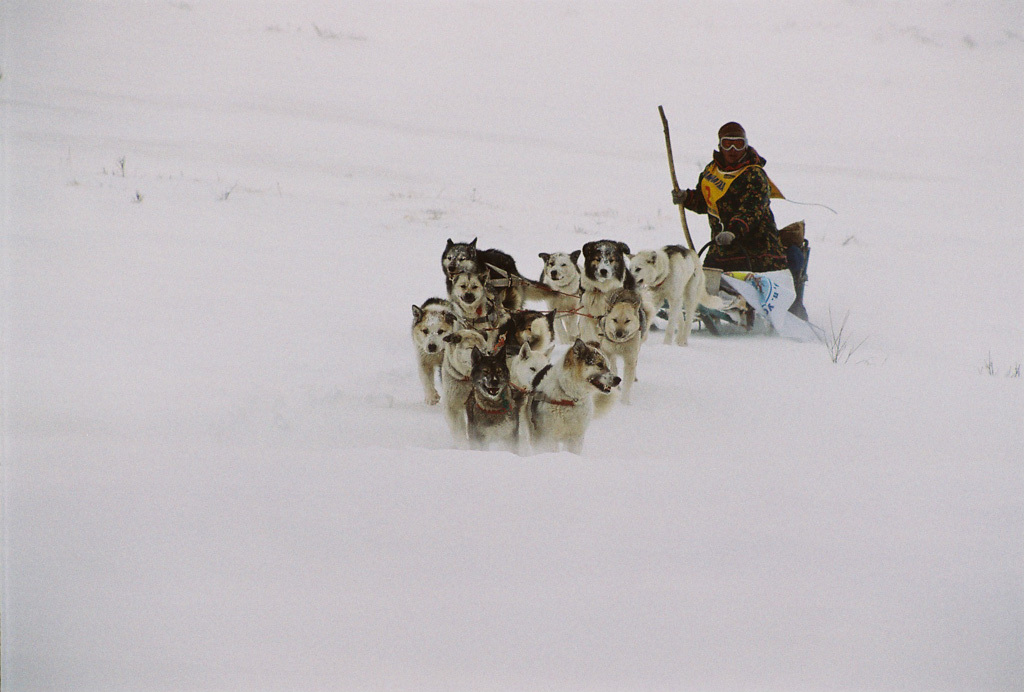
x=797, y=308
x=797, y=256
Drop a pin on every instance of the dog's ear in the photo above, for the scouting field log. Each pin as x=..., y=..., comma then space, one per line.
x=579, y=349
x=624, y=248
x=588, y=247
x=450, y=317
x=417, y=313
x=473, y=244
x=524, y=352
x=450, y=243
x=574, y=256
x=453, y=338
x=476, y=355
x=544, y=256
x=550, y=350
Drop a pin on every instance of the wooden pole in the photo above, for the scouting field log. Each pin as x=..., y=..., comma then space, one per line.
x=675, y=182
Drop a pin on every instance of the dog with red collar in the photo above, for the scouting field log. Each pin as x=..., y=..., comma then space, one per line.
x=562, y=405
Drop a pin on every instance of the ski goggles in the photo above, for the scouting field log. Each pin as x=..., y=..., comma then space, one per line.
x=732, y=143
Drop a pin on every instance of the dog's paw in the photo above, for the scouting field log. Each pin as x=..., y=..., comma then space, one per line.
x=432, y=398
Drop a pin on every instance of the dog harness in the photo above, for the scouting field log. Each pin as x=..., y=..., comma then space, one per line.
x=537, y=396
x=494, y=412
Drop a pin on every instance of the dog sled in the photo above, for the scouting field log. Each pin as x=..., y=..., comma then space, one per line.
x=740, y=300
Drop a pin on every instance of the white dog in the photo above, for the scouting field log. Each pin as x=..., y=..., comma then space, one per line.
x=563, y=398
x=561, y=275
x=457, y=379
x=523, y=367
x=431, y=322
x=673, y=274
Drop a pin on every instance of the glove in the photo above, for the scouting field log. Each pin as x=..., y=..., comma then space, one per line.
x=679, y=196
x=725, y=238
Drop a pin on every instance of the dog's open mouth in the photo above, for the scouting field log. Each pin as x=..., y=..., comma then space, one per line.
x=600, y=384
x=493, y=390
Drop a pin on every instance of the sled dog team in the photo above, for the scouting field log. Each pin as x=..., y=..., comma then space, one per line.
x=502, y=383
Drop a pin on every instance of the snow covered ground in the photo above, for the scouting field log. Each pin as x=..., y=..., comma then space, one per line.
x=219, y=472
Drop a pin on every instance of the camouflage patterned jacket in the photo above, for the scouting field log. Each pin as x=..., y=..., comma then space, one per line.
x=743, y=210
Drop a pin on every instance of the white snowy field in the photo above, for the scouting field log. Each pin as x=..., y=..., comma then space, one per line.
x=218, y=469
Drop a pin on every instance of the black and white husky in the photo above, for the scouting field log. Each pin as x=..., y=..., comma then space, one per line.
x=431, y=322
x=561, y=275
x=492, y=409
x=563, y=398
x=605, y=269
x=672, y=274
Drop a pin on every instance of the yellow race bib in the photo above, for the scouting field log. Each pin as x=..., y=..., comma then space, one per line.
x=715, y=182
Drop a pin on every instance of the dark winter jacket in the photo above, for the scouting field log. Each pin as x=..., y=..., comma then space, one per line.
x=742, y=210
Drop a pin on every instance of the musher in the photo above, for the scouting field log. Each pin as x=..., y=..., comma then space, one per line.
x=735, y=192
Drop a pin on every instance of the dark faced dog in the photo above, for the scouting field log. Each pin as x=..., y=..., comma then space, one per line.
x=492, y=410
x=605, y=266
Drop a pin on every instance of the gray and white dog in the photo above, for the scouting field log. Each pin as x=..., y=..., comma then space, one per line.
x=431, y=322
x=563, y=398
